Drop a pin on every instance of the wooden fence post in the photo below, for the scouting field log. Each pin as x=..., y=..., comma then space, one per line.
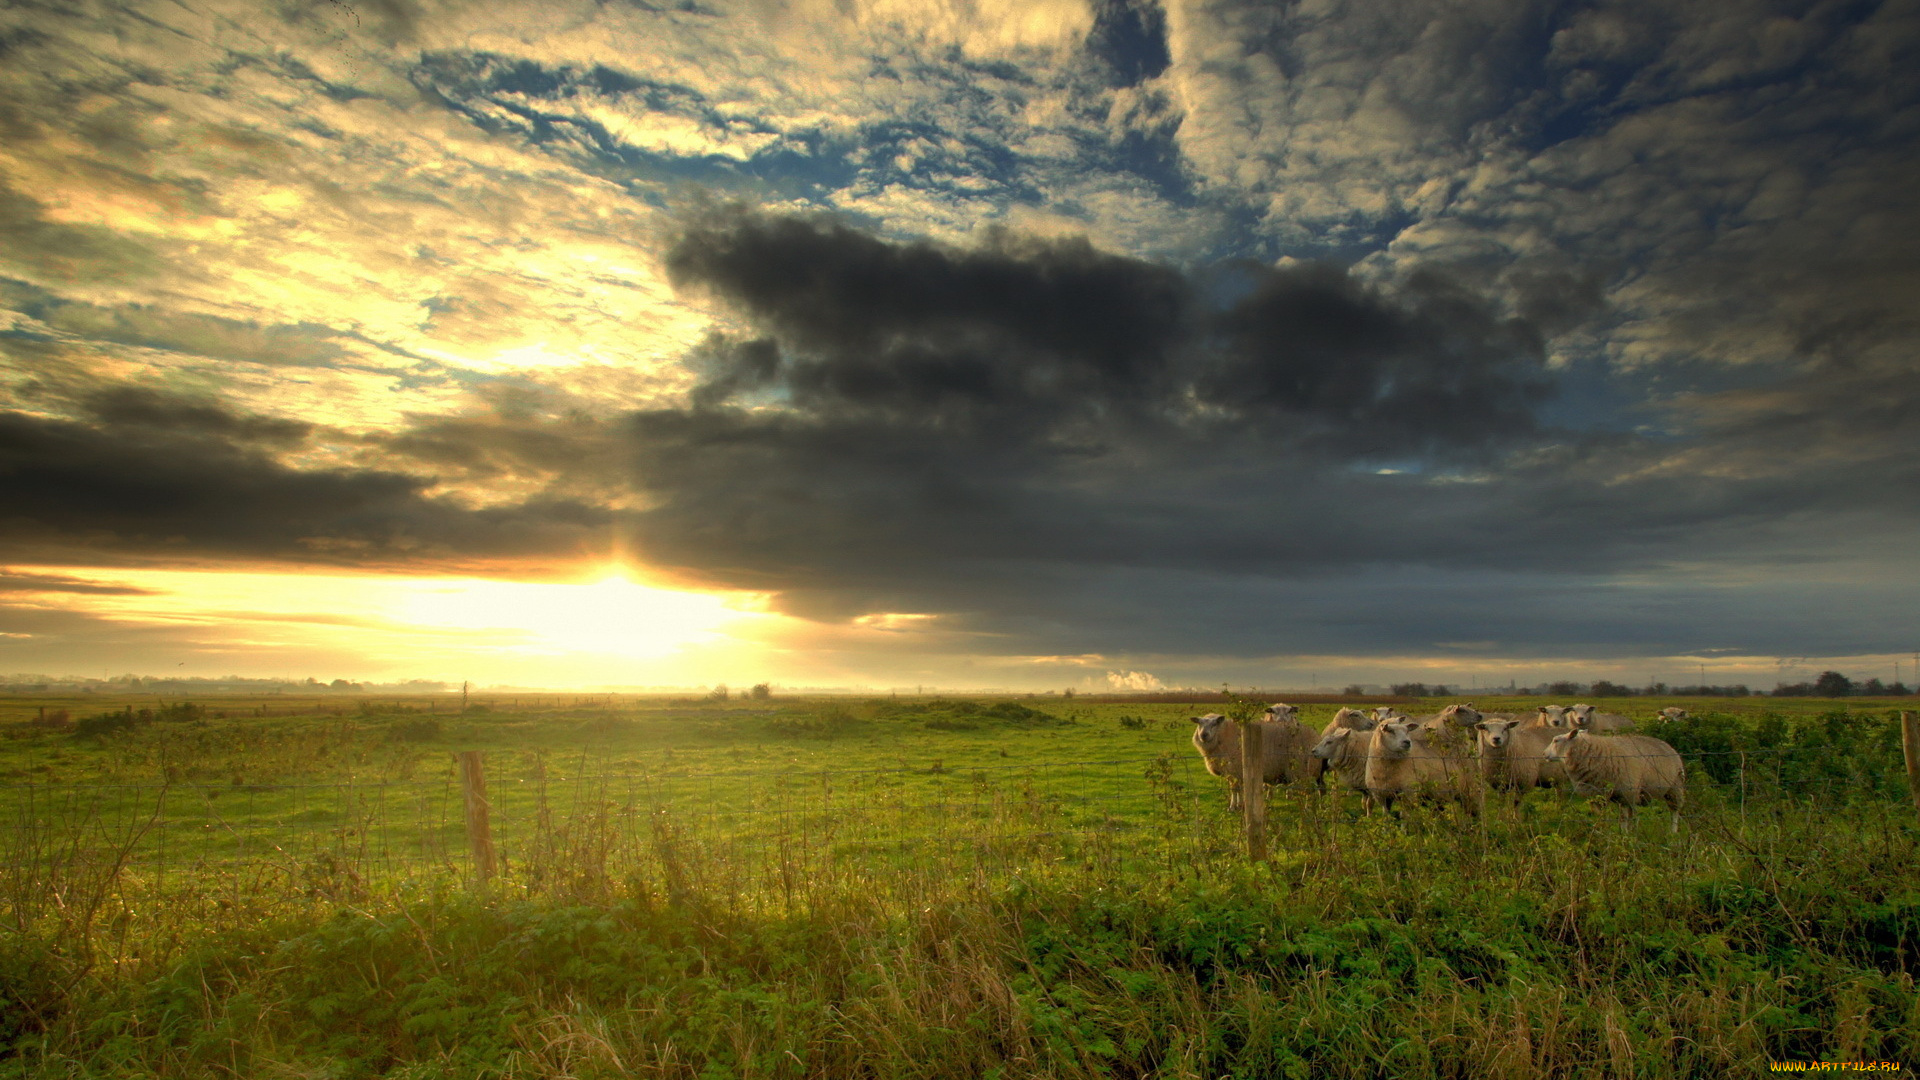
x=1910, y=742
x=1253, y=787
x=473, y=782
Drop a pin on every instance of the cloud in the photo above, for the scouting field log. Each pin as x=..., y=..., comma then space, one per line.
x=186, y=479
x=17, y=582
x=1135, y=313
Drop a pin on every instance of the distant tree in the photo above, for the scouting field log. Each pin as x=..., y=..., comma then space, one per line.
x=1409, y=689
x=1440, y=690
x=1603, y=688
x=719, y=692
x=1873, y=688
x=1655, y=689
x=1565, y=689
x=1832, y=684
x=1793, y=690
x=760, y=692
x=1356, y=690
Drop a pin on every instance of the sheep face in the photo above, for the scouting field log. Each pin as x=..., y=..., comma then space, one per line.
x=1494, y=733
x=1580, y=716
x=1556, y=715
x=1463, y=714
x=1396, y=737
x=1557, y=749
x=1355, y=719
x=1673, y=712
x=1330, y=743
x=1209, y=731
x=1277, y=711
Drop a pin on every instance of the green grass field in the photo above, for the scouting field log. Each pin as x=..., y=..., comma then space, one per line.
x=918, y=888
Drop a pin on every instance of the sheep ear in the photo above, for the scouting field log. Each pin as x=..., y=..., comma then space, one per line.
x=1198, y=719
x=1482, y=725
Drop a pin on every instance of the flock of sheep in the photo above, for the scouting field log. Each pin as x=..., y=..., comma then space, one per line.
x=1457, y=755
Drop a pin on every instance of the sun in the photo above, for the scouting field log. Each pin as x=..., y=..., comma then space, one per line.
x=610, y=613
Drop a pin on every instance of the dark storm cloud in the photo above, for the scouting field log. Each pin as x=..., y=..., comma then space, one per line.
x=933, y=415
x=916, y=427
x=168, y=477
x=1038, y=339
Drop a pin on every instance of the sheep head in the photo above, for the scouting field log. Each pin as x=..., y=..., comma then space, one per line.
x=1208, y=731
x=1557, y=749
x=1355, y=719
x=1330, y=743
x=1396, y=737
x=1494, y=733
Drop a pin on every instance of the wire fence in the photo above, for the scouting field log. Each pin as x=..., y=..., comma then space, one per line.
x=758, y=837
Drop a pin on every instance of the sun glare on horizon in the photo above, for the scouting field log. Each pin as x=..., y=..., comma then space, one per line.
x=606, y=627
x=611, y=614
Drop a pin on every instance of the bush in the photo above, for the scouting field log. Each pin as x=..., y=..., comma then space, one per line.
x=112, y=723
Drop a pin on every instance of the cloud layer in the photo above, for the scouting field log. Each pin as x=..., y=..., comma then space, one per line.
x=1185, y=330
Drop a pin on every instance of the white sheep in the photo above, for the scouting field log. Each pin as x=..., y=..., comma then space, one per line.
x=1628, y=769
x=1451, y=728
x=1513, y=757
x=1587, y=718
x=1343, y=746
x=1673, y=712
x=1387, y=712
x=1283, y=751
x=1401, y=764
x=1549, y=716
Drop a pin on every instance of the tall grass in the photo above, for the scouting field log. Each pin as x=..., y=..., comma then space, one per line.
x=967, y=923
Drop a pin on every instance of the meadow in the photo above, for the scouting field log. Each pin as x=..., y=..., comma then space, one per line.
x=1007, y=887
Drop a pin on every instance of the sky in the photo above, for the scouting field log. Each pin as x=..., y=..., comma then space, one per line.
x=1109, y=344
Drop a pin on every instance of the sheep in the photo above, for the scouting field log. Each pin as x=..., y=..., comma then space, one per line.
x=1387, y=712
x=1672, y=712
x=1343, y=746
x=1400, y=764
x=1451, y=727
x=1587, y=718
x=1513, y=757
x=1628, y=769
x=1283, y=750
x=1549, y=716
